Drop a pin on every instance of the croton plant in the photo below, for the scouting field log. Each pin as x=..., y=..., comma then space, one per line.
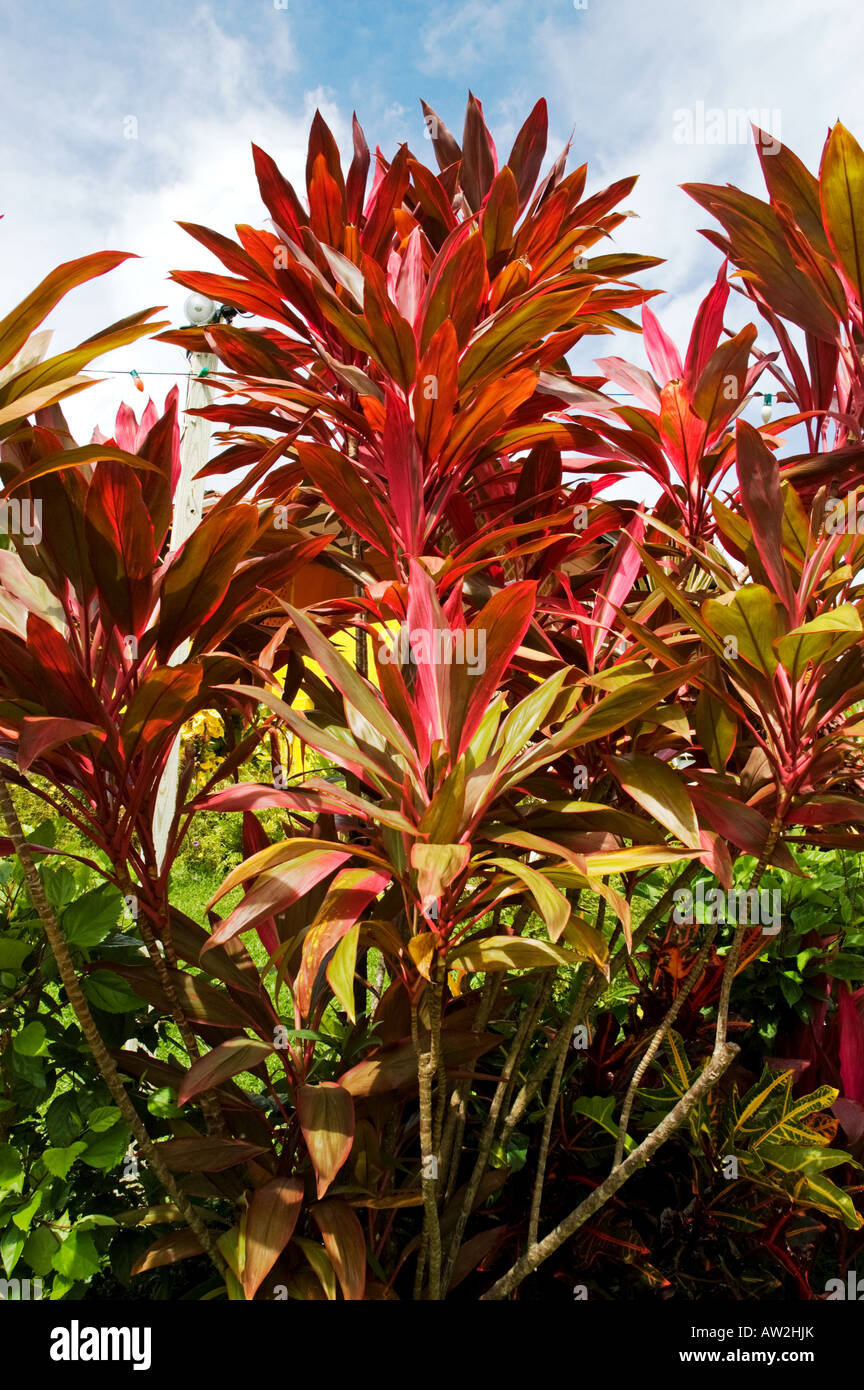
x=420, y=967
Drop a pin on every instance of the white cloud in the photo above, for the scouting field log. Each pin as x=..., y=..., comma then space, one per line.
x=75, y=184
x=615, y=73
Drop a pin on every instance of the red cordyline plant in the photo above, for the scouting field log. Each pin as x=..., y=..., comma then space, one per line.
x=421, y=339
x=661, y=687
x=798, y=259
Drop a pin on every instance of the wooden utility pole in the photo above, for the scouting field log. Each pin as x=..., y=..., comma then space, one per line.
x=188, y=508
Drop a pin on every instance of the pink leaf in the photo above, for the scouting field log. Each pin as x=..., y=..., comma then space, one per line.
x=276, y=890
x=634, y=379
x=662, y=353
x=624, y=565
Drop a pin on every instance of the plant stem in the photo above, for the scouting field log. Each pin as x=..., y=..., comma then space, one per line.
x=454, y=1130
x=534, y=1257
x=719, y=1060
x=431, y=1229
x=657, y=1041
x=540, y=1175
x=487, y=1136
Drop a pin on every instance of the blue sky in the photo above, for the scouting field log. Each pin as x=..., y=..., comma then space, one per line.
x=203, y=80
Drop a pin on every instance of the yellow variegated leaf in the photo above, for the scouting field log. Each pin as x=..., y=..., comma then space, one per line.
x=510, y=953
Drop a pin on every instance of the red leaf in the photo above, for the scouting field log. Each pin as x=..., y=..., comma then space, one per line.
x=738, y=823
x=355, y=187
x=707, y=328
x=503, y=621
x=177, y=1245
x=325, y=205
x=456, y=287
x=529, y=147
x=206, y=1155
x=345, y=1244
x=39, y=733
x=199, y=574
x=322, y=145
x=326, y=1114
x=479, y=161
x=220, y=1064
x=121, y=545
x=66, y=691
x=403, y=473
x=436, y=391
x=270, y=1220
x=346, y=492
x=624, y=565
x=159, y=705
x=379, y=214
x=278, y=196
x=759, y=479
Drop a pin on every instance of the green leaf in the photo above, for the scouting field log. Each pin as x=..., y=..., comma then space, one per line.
x=59, y=885
x=11, y=1170
x=615, y=710
x=30, y=1041
x=660, y=791
x=13, y=952
x=716, y=729
x=320, y=1262
x=524, y=720
x=11, y=1244
x=107, y=1149
x=163, y=1103
x=39, y=1250
x=554, y=907
x=600, y=1109
x=59, y=1161
x=810, y=1159
x=90, y=918
x=62, y=1120
x=23, y=1217
x=821, y=1192
x=111, y=994
x=102, y=1118
x=341, y=968
x=77, y=1257
x=513, y=1156
x=437, y=866
x=821, y=640
x=586, y=939
x=750, y=616
x=845, y=966
x=841, y=191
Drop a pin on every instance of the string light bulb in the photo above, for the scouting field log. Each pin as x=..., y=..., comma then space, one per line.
x=766, y=408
